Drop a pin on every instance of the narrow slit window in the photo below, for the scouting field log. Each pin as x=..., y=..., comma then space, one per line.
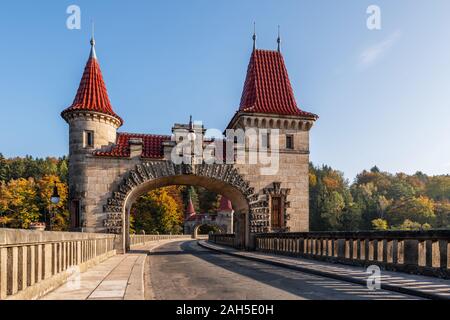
x=290, y=142
x=89, y=139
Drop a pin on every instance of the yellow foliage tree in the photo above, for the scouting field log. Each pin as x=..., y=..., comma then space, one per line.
x=18, y=203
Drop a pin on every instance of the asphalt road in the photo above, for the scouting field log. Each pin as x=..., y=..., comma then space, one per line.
x=185, y=271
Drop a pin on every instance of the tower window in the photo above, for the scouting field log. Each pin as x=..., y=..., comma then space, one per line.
x=290, y=142
x=75, y=214
x=89, y=139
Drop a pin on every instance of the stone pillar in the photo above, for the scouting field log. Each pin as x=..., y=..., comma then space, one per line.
x=362, y=249
x=32, y=265
x=371, y=250
x=347, y=249
x=13, y=270
x=435, y=255
x=448, y=255
x=380, y=250
x=48, y=261
x=389, y=251
x=355, y=249
x=3, y=272
x=401, y=252
x=422, y=253
x=23, y=268
x=411, y=252
x=39, y=263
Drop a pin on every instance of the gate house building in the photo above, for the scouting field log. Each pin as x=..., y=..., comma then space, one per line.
x=109, y=169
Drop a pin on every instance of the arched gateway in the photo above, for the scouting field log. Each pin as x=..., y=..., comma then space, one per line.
x=223, y=179
x=109, y=170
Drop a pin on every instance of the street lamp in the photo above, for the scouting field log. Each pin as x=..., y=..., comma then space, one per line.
x=55, y=198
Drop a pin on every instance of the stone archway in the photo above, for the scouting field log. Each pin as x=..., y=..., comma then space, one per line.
x=194, y=233
x=221, y=178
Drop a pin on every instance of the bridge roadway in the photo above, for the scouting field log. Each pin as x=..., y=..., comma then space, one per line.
x=184, y=270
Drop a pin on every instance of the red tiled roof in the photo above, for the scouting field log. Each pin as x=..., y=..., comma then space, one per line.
x=267, y=88
x=225, y=205
x=92, y=94
x=152, y=146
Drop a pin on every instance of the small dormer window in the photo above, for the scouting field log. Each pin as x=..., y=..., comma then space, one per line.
x=290, y=142
x=89, y=139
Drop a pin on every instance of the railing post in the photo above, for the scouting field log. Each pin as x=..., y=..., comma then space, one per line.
x=448, y=255
x=435, y=254
x=362, y=249
x=38, y=263
x=347, y=249
x=3, y=273
x=13, y=270
x=23, y=267
x=355, y=248
x=380, y=250
x=411, y=254
x=31, y=265
x=389, y=251
x=422, y=253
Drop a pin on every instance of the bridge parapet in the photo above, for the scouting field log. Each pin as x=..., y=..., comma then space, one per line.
x=420, y=252
x=139, y=239
x=224, y=239
x=35, y=262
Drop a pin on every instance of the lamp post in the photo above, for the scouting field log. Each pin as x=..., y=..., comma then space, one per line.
x=55, y=198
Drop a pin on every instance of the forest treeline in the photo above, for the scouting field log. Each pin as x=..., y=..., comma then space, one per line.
x=375, y=200
x=378, y=200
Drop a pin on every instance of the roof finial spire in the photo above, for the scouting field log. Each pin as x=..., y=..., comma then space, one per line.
x=279, y=39
x=254, y=36
x=93, y=54
x=191, y=125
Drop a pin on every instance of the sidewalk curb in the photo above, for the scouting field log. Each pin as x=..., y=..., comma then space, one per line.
x=408, y=291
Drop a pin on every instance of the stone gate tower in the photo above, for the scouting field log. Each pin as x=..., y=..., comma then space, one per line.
x=109, y=170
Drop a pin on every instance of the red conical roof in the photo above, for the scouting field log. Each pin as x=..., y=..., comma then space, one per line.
x=92, y=94
x=190, y=209
x=225, y=205
x=267, y=88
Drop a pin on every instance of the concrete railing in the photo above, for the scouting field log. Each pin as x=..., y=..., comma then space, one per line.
x=421, y=252
x=33, y=263
x=224, y=239
x=139, y=239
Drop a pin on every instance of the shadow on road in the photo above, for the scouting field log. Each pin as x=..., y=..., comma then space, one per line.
x=301, y=284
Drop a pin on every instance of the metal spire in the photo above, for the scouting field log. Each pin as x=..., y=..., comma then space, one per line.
x=93, y=54
x=254, y=36
x=279, y=39
x=191, y=125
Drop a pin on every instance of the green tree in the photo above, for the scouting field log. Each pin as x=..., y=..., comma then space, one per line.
x=3, y=168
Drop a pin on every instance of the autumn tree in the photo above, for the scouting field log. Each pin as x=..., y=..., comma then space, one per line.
x=18, y=206
x=58, y=213
x=158, y=212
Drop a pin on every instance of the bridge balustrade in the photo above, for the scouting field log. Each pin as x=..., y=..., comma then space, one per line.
x=421, y=252
x=228, y=240
x=32, y=262
x=138, y=239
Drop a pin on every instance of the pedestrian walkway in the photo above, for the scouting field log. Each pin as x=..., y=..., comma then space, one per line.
x=422, y=286
x=118, y=278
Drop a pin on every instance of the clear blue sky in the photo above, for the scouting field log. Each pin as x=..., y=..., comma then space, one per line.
x=383, y=96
